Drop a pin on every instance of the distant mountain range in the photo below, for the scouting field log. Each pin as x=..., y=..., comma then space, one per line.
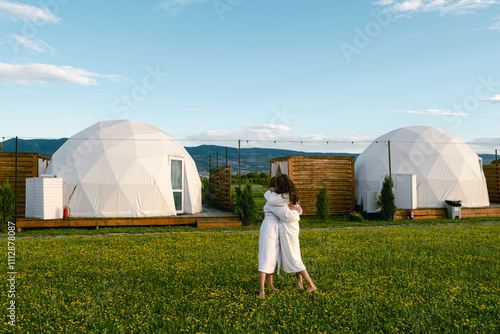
x=44, y=146
x=252, y=159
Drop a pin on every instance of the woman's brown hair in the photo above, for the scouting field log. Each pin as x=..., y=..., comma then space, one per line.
x=272, y=182
x=285, y=185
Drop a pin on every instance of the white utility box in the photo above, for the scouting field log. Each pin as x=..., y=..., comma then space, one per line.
x=405, y=190
x=44, y=198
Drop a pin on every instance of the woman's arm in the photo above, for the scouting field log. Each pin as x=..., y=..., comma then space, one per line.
x=295, y=207
x=284, y=213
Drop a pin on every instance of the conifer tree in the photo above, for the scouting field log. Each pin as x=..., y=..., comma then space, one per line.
x=323, y=205
x=386, y=200
x=7, y=200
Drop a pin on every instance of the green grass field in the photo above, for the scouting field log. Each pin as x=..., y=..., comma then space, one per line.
x=410, y=279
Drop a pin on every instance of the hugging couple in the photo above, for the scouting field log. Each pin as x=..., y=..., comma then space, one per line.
x=279, y=235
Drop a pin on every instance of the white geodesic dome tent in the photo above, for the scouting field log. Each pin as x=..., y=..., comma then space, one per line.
x=446, y=168
x=126, y=169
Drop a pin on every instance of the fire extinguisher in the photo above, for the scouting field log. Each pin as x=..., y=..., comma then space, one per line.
x=410, y=214
x=65, y=212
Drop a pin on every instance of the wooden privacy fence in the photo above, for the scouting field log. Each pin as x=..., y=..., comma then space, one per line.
x=311, y=173
x=220, y=188
x=492, y=174
x=28, y=165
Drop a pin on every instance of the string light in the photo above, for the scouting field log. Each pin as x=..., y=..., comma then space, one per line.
x=248, y=140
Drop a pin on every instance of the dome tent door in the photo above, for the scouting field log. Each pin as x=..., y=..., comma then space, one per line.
x=177, y=179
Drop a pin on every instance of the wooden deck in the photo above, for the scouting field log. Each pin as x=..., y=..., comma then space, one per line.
x=209, y=218
x=491, y=211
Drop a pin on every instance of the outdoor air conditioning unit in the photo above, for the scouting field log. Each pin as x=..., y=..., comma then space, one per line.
x=370, y=201
x=44, y=198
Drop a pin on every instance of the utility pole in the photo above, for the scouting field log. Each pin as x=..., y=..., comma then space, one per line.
x=389, y=150
x=15, y=184
x=239, y=163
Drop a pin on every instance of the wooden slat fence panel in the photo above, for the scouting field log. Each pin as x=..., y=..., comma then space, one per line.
x=311, y=173
x=492, y=175
x=27, y=164
x=220, y=188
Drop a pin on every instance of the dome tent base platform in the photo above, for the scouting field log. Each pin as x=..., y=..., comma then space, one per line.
x=209, y=218
x=491, y=211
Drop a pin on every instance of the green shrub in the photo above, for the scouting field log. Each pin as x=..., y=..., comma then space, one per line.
x=205, y=190
x=386, y=200
x=7, y=201
x=355, y=217
x=245, y=205
x=323, y=205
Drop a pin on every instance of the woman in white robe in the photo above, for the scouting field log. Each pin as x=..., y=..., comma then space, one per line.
x=289, y=232
x=279, y=238
x=269, y=243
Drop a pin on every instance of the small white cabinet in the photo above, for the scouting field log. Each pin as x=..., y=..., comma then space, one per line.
x=44, y=198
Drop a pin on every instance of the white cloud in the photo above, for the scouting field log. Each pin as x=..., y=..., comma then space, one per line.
x=495, y=25
x=174, y=7
x=494, y=99
x=15, y=11
x=50, y=74
x=32, y=45
x=442, y=6
x=484, y=144
x=434, y=112
x=266, y=127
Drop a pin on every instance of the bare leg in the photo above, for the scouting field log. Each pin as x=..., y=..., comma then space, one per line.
x=270, y=281
x=300, y=284
x=310, y=285
x=262, y=282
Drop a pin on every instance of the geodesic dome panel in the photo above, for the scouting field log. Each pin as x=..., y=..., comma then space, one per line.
x=124, y=169
x=445, y=166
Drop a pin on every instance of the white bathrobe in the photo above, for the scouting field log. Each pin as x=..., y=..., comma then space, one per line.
x=279, y=236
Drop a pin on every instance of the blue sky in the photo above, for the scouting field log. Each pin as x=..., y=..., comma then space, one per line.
x=213, y=72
